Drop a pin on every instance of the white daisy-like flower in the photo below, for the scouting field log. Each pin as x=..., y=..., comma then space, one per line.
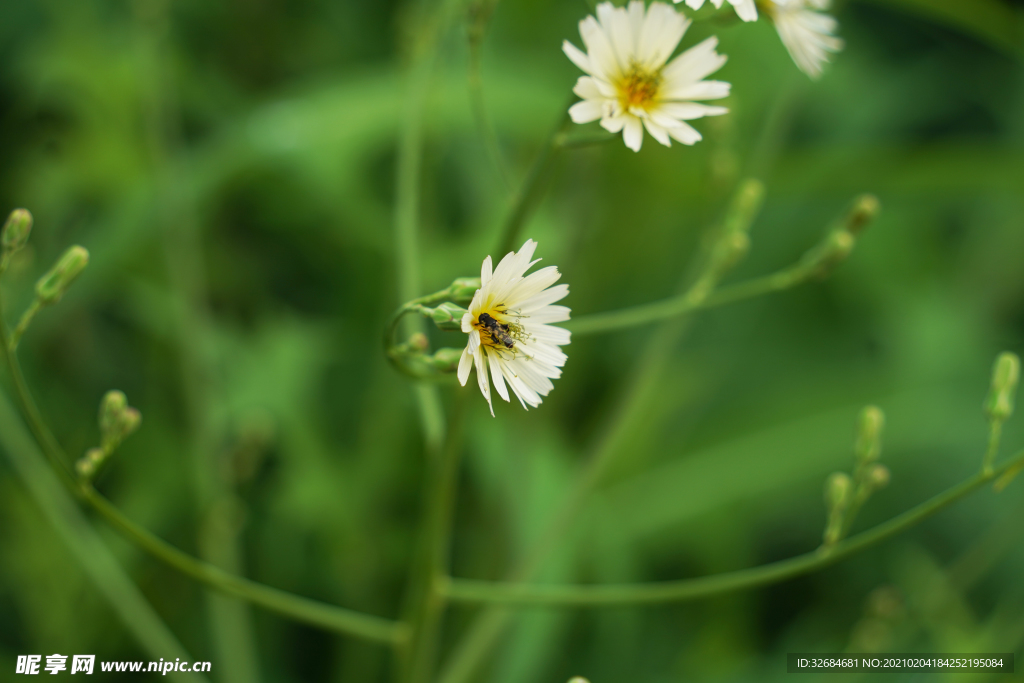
x=511, y=338
x=746, y=9
x=629, y=86
x=806, y=31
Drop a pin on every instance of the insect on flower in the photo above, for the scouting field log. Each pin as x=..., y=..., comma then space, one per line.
x=512, y=342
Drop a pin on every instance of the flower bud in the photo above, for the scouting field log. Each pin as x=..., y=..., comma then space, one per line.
x=117, y=420
x=418, y=342
x=111, y=407
x=1005, y=376
x=837, y=490
x=89, y=463
x=52, y=286
x=446, y=359
x=16, y=230
x=131, y=418
x=878, y=477
x=864, y=211
x=578, y=679
x=448, y=316
x=869, y=434
x=463, y=289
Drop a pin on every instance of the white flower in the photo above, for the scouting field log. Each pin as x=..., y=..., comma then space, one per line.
x=746, y=9
x=510, y=337
x=630, y=87
x=807, y=33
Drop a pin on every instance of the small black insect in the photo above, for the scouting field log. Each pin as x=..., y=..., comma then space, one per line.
x=499, y=333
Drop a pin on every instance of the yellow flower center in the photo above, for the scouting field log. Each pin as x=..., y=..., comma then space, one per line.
x=499, y=328
x=638, y=87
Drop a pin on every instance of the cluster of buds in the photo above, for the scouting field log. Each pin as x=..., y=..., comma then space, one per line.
x=117, y=421
x=841, y=239
x=445, y=309
x=844, y=495
x=50, y=288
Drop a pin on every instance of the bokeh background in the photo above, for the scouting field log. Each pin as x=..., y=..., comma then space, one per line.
x=230, y=166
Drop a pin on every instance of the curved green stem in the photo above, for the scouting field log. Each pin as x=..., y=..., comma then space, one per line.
x=463, y=590
x=296, y=607
x=293, y=606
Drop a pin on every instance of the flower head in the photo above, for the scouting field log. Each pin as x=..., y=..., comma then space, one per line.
x=510, y=336
x=806, y=32
x=630, y=84
x=746, y=9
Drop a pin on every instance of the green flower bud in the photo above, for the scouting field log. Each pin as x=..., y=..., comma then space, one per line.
x=89, y=463
x=418, y=342
x=837, y=490
x=445, y=360
x=52, y=286
x=878, y=477
x=16, y=230
x=463, y=289
x=131, y=418
x=869, y=434
x=1005, y=376
x=111, y=407
x=864, y=211
x=117, y=420
x=448, y=316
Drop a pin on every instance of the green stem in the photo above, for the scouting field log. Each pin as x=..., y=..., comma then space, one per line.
x=26, y=320
x=477, y=29
x=529, y=194
x=287, y=604
x=92, y=554
x=818, y=262
x=439, y=507
x=463, y=590
x=298, y=608
x=994, y=436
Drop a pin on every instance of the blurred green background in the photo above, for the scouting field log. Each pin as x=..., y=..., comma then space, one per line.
x=230, y=166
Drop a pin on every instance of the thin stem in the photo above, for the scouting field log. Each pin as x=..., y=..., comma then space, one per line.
x=27, y=405
x=817, y=262
x=293, y=606
x=416, y=650
x=439, y=506
x=482, y=10
x=994, y=436
x=26, y=320
x=463, y=590
x=645, y=314
x=529, y=194
x=95, y=558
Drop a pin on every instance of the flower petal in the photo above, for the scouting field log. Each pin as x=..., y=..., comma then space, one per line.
x=481, y=376
x=633, y=133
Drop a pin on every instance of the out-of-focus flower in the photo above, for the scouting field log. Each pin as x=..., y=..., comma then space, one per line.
x=510, y=336
x=630, y=84
x=746, y=9
x=806, y=31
